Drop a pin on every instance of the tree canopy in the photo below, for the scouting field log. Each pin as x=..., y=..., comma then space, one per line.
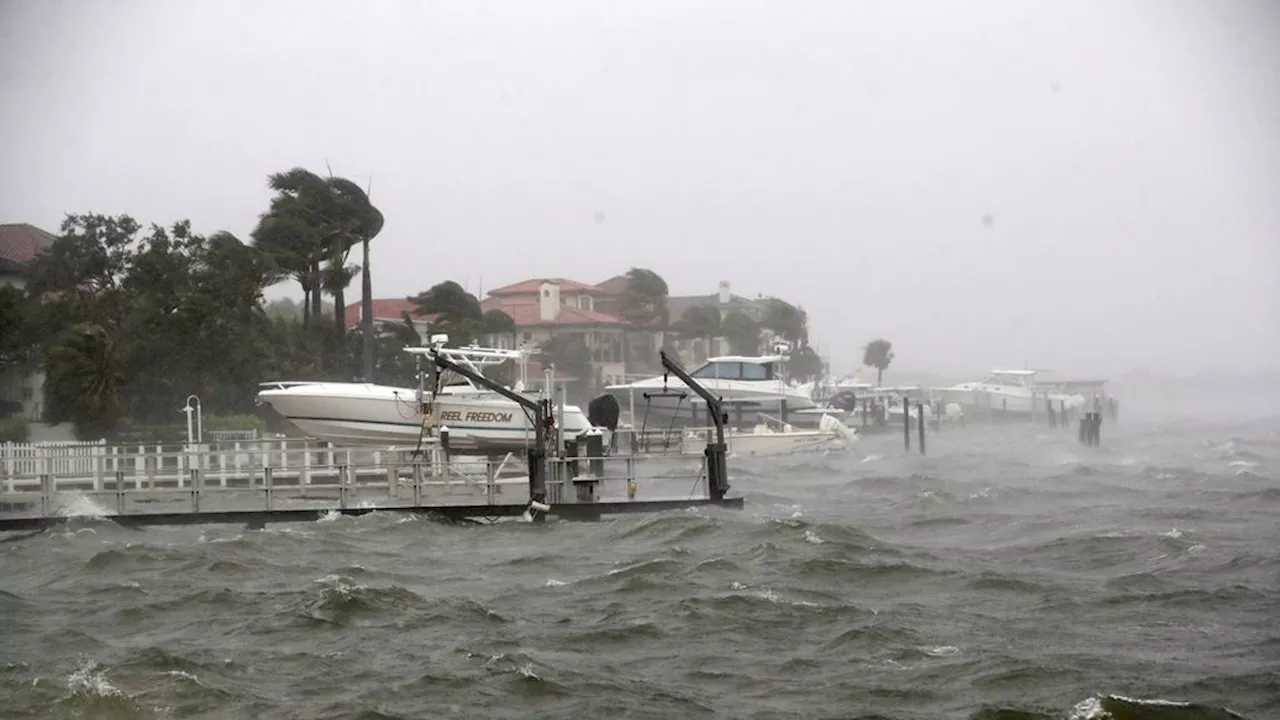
x=699, y=321
x=878, y=354
x=134, y=322
x=127, y=320
x=787, y=321
x=742, y=332
x=19, y=339
x=644, y=301
x=571, y=358
x=804, y=364
x=308, y=232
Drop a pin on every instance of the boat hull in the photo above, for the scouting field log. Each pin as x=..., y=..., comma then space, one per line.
x=763, y=441
x=980, y=400
x=351, y=414
x=768, y=444
x=663, y=409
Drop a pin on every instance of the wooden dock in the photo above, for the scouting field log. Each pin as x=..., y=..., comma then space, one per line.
x=278, y=481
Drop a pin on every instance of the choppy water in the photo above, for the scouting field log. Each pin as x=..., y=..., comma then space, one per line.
x=1012, y=574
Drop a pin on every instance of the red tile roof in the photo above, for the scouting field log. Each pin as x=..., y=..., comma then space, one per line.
x=531, y=287
x=527, y=314
x=20, y=243
x=384, y=309
x=524, y=310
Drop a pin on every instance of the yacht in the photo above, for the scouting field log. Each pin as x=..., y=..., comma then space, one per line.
x=478, y=419
x=746, y=384
x=1013, y=391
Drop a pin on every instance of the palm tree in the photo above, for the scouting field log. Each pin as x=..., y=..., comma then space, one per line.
x=361, y=223
x=337, y=276
x=878, y=354
x=304, y=202
x=84, y=372
x=314, y=221
x=289, y=244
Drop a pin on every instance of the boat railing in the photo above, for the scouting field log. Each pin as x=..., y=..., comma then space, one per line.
x=652, y=440
x=772, y=422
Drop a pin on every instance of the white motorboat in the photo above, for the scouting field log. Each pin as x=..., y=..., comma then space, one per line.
x=769, y=437
x=755, y=384
x=1012, y=391
x=767, y=441
x=478, y=419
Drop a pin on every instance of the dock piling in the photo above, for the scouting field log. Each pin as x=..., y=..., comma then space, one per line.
x=595, y=452
x=1091, y=429
x=920, y=423
x=571, y=454
x=906, y=425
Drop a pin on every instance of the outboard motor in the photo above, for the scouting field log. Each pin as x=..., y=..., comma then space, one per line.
x=603, y=411
x=844, y=400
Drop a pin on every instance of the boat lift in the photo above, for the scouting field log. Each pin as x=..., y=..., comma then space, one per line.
x=547, y=443
x=717, y=469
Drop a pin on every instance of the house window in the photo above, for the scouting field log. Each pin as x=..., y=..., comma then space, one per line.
x=546, y=292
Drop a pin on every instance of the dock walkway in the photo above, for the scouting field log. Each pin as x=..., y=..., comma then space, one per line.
x=271, y=481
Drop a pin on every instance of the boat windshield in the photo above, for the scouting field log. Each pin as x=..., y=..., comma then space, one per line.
x=1006, y=379
x=732, y=370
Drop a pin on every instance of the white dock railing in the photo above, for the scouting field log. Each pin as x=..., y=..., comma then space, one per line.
x=148, y=479
x=59, y=458
x=80, y=460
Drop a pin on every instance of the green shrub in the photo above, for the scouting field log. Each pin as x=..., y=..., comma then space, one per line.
x=246, y=421
x=14, y=430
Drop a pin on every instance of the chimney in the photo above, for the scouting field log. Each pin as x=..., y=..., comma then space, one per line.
x=724, y=292
x=548, y=301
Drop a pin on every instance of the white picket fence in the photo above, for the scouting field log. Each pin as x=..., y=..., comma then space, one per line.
x=82, y=459
x=57, y=458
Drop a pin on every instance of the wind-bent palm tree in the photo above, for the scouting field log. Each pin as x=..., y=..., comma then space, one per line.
x=878, y=354
x=361, y=223
x=314, y=221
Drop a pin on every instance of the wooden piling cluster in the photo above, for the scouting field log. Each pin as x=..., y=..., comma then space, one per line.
x=906, y=425
x=1091, y=429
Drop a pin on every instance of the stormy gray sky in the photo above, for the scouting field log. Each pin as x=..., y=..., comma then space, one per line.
x=1084, y=185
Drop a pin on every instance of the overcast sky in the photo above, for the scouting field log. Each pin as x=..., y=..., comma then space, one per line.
x=1084, y=185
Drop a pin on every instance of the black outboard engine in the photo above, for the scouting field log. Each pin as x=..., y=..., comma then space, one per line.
x=844, y=400
x=603, y=411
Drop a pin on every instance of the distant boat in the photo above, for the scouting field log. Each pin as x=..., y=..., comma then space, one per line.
x=753, y=383
x=1014, y=391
